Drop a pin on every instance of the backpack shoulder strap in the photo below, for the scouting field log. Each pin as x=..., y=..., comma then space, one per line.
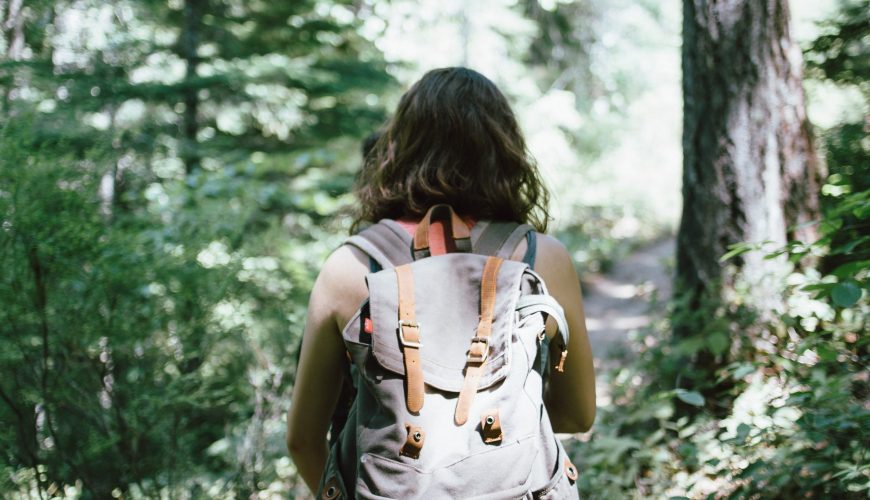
x=510, y=244
x=501, y=239
x=387, y=243
x=492, y=236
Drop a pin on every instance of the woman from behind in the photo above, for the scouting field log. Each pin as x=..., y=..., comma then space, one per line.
x=453, y=140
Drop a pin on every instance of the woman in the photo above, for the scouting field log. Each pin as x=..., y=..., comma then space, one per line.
x=453, y=140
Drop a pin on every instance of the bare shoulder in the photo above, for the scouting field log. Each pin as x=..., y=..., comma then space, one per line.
x=554, y=263
x=342, y=263
x=552, y=255
x=549, y=245
x=341, y=282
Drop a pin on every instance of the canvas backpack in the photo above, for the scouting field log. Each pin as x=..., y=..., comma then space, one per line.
x=449, y=356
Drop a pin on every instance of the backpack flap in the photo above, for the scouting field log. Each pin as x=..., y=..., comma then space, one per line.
x=446, y=293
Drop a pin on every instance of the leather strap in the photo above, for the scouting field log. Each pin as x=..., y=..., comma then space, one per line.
x=479, y=349
x=409, y=338
x=414, y=442
x=490, y=427
x=570, y=470
x=560, y=366
x=457, y=236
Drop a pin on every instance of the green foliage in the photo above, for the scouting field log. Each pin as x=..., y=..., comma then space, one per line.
x=598, y=239
x=840, y=53
x=173, y=173
x=789, y=418
x=795, y=421
x=157, y=261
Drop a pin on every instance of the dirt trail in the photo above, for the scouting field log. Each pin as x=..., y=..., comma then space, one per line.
x=629, y=297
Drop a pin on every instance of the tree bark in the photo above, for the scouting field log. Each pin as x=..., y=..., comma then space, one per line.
x=190, y=31
x=14, y=27
x=750, y=172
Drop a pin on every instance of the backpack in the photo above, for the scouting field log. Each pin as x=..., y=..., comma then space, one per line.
x=449, y=357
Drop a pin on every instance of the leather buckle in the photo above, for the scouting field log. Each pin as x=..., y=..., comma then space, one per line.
x=478, y=358
x=408, y=324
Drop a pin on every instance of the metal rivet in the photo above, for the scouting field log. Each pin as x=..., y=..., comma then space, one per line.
x=490, y=420
x=418, y=436
x=330, y=492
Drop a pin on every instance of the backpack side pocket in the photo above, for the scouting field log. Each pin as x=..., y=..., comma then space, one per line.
x=332, y=485
x=563, y=482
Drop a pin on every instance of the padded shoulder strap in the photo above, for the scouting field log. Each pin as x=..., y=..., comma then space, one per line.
x=389, y=244
x=501, y=239
x=386, y=242
x=492, y=236
x=512, y=240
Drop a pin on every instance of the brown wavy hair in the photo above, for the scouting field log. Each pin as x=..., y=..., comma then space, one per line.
x=454, y=139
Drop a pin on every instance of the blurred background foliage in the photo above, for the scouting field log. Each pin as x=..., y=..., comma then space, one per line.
x=173, y=173
x=791, y=416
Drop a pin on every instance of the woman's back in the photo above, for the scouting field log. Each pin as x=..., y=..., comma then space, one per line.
x=453, y=140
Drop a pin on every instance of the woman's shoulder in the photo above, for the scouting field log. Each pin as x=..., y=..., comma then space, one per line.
x=547, y=248
x=341, y=281
x=552, y=260
x=551, y=245
x=343, y=265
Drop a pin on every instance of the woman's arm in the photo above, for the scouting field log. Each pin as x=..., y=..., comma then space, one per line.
x=570, y=395
x=318, y=383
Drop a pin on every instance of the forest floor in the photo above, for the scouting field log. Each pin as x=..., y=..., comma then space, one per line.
x=629, y=297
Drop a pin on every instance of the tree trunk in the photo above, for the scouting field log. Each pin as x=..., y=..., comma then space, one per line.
x=14, y=27
x=750, y=173
x=190, y=31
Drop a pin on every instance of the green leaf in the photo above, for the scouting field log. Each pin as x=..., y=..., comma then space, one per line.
x=743, y=370
x=846, y=293
x=850, y=269
x=826, y=353
x=824, y=287
x=737, y=249
x=861, y=211
x=849, y=247
x=690, y=345
x=718, y=342
x=690, y=397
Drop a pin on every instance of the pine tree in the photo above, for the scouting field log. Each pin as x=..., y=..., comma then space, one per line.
x=167, y=168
